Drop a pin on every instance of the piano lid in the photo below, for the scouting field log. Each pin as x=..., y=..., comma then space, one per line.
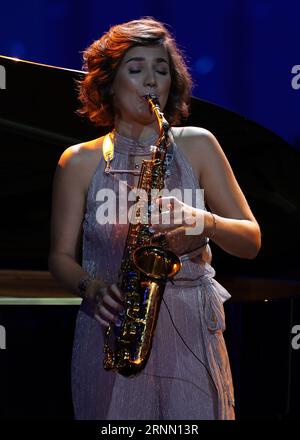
x=37, y=112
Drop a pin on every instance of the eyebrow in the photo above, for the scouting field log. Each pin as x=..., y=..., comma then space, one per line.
x=158, y=60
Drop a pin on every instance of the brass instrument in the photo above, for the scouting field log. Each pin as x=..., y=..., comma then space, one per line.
x=145, y=267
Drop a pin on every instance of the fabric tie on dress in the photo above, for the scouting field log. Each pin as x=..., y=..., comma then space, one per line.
x=211, y=297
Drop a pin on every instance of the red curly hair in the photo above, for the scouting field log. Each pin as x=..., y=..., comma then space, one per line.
x=103, y=57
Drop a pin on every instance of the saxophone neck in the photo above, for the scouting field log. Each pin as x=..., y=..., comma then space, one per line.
x=163, y=139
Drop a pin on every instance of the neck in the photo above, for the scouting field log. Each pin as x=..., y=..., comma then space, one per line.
x=137, y=132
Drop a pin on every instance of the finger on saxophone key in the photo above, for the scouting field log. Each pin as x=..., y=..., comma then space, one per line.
x=107, y=313
x=112, y=302
x=116, y=291
x=102, y=322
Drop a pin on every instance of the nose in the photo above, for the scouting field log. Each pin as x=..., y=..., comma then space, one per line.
x=150, y=80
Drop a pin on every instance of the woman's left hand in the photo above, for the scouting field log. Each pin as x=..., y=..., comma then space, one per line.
x=181, y=225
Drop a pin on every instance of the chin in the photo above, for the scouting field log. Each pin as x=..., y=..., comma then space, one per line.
x=146, y=118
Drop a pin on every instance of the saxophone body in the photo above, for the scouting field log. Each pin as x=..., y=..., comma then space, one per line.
x=145, y=269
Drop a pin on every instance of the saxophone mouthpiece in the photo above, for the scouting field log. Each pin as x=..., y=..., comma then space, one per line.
x=150, y=95
x=152, y=100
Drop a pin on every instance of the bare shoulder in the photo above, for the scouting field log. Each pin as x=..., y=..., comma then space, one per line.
x=198, y=144
x=191, y=137
x=190, y=132
x=78, y=162
x=80, y=154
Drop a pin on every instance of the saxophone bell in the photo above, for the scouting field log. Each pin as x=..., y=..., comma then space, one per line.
x=156, y=263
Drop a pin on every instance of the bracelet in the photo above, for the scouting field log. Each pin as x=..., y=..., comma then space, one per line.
x=83, y=285
x=215, y=225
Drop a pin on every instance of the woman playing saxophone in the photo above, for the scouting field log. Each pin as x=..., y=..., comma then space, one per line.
x=188, y=374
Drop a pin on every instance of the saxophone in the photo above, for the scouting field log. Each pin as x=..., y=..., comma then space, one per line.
x=145, y=269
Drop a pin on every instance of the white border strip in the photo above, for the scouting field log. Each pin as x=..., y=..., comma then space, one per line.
x=40, y=301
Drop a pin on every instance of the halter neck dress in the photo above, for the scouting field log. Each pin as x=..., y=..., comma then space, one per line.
x=188, y=374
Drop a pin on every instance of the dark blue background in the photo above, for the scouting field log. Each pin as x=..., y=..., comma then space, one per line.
x=240, y=52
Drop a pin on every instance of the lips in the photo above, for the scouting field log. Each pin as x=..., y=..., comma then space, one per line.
x=150, y=93
x=145, y=94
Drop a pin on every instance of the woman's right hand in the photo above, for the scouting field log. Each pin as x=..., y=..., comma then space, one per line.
x=107, y=301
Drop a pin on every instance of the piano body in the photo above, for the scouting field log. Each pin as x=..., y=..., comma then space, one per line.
x=38, y=119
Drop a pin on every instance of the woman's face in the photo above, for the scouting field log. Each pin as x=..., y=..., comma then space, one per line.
x=142, y=70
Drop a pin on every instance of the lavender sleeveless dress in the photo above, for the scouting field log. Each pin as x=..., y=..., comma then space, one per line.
x=188, y=374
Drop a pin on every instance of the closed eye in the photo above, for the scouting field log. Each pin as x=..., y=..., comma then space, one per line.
x=161, y=72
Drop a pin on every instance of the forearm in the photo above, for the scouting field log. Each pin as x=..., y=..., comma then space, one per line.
x=240, y=238
x=66, y=271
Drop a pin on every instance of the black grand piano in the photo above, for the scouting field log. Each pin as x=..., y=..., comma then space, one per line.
x=38, y=119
